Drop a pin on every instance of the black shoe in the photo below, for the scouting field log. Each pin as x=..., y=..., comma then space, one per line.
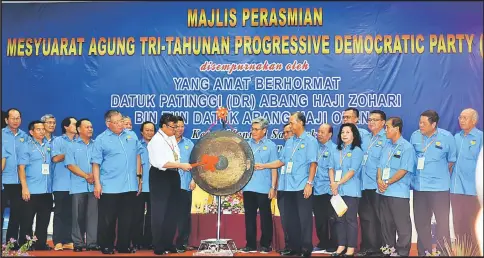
x=93, y=248
x=77, y=249
x=283, y=250
x=290, y=253
x=171, y=250
x=107, y=251
x=181, y=249
x=265, y=250
x=159, y=252
x=331, y=249
x=42, y=248
x=127, y=251
x=248, y=250
x=306, y=253
x=343, y=253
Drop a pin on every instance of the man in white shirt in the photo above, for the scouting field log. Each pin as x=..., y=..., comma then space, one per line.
x=164, y=156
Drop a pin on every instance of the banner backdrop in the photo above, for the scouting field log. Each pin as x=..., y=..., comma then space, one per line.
x=255, y=58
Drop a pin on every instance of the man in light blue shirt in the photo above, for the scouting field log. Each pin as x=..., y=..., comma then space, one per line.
x=463, y=195
x=61, y=180
x=12, y=139
x=395, y=170
x=141, y=238
x=116, y=164
x=260, y=190
x=299, y=160
x=84, y=204
x=281, y=189
x=49, y=123
x=34, y=173
x=322, y=208
x=187, y=185
x=436, y=154
x=368, y=210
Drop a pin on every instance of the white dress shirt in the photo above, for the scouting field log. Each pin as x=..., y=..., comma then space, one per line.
x=161, y=148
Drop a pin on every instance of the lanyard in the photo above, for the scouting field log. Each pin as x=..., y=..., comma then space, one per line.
x=428, y=145
x=172, y=147
x=391, y=154
x=376, y=137
x=295, y=147
x=41, y=152
x=322, y=152
x=342, y=158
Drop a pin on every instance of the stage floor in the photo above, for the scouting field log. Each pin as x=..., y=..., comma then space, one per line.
x=145, y=253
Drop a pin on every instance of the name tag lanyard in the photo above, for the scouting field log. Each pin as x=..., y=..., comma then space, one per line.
x=44, y=163
x=390, y=154
x=41, y=152
x=175, y=155
x=372, y=142
x=322, y=152
x=342, y=158
x=294, y=150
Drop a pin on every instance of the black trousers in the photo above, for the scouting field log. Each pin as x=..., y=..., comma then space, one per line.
x=395, y=219
x=347, y=225
x=252, y=202
x=141, y=227
x=282, y=212
x=111, y=207
x=184, y=222
x=40, y=205
x=369, y=212
x=62, y=218
x=300, y=220
x=424, y=204
x=13, y=193
x=164, y=197
x=324, y=220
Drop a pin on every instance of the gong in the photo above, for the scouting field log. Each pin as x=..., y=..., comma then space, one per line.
x=234, y=167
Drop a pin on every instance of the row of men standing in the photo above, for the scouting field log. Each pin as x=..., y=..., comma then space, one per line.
x=78, y=170
x=374, y=173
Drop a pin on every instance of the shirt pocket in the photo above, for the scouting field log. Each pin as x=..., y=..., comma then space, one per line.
x=472, y=152
x=436, y=152
x=395, y=162
x=264, y=155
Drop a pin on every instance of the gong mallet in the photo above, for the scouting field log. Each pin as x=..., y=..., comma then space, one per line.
x=212, y=163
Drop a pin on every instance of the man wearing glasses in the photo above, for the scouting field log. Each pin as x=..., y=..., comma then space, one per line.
x=368, y=209
x=116, y=166
x=281, y=189
x=465, y=205
x=164, y=156
x=260, y=190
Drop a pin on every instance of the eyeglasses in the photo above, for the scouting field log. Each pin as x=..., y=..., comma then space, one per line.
x=347, y=117
x=464, y=118
x=116, y=122
x=172, y=127
x=374, y=120
x=256, y=129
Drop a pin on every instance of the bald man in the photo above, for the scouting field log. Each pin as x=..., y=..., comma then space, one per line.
x=465, y=205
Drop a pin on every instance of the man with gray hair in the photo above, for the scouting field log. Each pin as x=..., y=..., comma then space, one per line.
x=465, y=205
x=49, y=123
x=116, y=166
x=260, y=190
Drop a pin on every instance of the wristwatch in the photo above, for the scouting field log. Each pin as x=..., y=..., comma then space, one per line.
x=310, y=182
x=386, y=181
x=273, y=187
x=139, y=175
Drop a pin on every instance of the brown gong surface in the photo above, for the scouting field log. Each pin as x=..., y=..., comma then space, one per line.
x=235, y=164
